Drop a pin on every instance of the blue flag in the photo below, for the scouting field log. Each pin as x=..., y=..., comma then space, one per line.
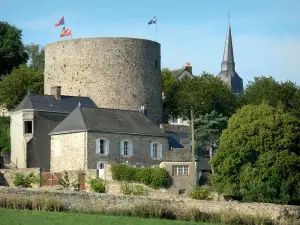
x=153, y=21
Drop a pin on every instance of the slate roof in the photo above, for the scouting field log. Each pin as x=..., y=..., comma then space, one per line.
x=104, y=120
x=177, y=73
x=49, y=103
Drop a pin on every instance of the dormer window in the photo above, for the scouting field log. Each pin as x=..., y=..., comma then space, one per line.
x=28, y=127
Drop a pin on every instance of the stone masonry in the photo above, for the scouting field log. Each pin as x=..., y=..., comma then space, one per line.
x=118, y=73
x=68, y=151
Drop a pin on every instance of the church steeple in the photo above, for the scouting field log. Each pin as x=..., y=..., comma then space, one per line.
x=228, y=57
x=228, y=73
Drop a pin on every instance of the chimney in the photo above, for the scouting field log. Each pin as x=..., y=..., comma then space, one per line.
x=56, y=91
x=188, y=67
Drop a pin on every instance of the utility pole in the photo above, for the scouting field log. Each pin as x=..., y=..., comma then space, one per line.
x=193, y=148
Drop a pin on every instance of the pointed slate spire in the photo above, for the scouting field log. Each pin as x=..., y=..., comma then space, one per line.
x=228, y=58
x=228, y=73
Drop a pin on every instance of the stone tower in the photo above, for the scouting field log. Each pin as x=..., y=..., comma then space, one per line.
x=228, y=73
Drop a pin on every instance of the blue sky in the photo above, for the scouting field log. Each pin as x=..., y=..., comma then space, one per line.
x=266, y=34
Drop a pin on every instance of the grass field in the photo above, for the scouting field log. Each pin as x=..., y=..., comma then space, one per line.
x=16, y=217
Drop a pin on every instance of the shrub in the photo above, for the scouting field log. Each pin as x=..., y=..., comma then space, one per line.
x=143, y=175
x=65, y=182
x=154, y=177
x=123, y=172
x=98, y=185
x=159, y=178
x=128, y=189
x=200, y=193
x=25, y=180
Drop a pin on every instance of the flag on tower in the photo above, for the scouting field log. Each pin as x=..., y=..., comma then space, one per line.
x=60, y=22
x=66, y=32
x=153, y=21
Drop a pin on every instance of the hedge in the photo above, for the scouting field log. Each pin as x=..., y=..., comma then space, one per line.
x=153, y=177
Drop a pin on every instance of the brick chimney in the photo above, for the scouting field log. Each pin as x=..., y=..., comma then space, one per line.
x=56, y=91
x=188, y=67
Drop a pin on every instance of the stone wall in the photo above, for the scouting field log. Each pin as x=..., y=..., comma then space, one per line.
x=141, y=149
x=120, y=73
x=7, y=175
x=68, y=152
x=84, y=201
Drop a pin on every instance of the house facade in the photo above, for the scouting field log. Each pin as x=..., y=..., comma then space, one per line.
x=31, y=122
x=93, y=138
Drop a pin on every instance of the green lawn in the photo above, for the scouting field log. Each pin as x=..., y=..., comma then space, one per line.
x=15, y=217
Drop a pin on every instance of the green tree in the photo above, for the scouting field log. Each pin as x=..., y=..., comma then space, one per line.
x=278, y=94
x=258, y=158
x=37, y=56
x=4, y=134
x=15, y=86
x=208, y=129
x=168, y=80
x=203, y=94
x=12, y=51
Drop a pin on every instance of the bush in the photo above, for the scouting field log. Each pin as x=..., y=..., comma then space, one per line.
x=65, y=182
x=25, y=180
x=200, y=193
x=122, y=172
x=143, y=175
x=128, y=189
x=159, y=178
x=154, y=177
x=97, y=185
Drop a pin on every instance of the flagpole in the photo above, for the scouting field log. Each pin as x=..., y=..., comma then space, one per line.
x=156, y=29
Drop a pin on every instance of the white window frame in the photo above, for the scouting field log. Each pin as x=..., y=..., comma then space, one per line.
x=106, y=146
x=99, y=165
x=129, y=148
x=159, y=150
x=181, y=170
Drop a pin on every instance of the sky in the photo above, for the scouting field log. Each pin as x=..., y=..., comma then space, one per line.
x=265, y=33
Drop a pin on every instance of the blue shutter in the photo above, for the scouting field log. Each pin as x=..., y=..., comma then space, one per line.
x=131, y=149
x=151, y=150
x=160, y=154
x=122, y=148
x=107, y=147
x=98, y=146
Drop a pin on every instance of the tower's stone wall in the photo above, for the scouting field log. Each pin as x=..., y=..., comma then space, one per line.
x=119, y=73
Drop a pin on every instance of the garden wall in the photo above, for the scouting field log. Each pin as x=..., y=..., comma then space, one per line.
x=84, y=201
x=7, y=175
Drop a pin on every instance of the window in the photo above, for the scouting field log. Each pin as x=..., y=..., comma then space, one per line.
x=155, y=63
x=126, y=148
x=155, y=147
x=156, y=150
x=102, y=146
x=28, y=127
x=180, y=170
x=181, y=192
x=100, y=165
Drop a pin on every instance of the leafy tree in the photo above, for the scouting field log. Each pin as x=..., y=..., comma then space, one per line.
x=37, y=56
x=203, y=94
x=258, y=158
x=267, y=90
x=15, y=86
x=12, y=51
x=208, y=129
x=168, y=80
x=4, y=134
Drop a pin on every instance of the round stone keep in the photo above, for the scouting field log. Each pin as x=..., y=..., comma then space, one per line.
x=118, y=73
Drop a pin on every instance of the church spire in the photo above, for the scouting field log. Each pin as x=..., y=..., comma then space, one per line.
x=228, y=57
x=228, y=73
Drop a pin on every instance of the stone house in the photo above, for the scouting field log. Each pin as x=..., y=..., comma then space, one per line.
x=31, y=122
x=94, y=138
x=181, y=167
